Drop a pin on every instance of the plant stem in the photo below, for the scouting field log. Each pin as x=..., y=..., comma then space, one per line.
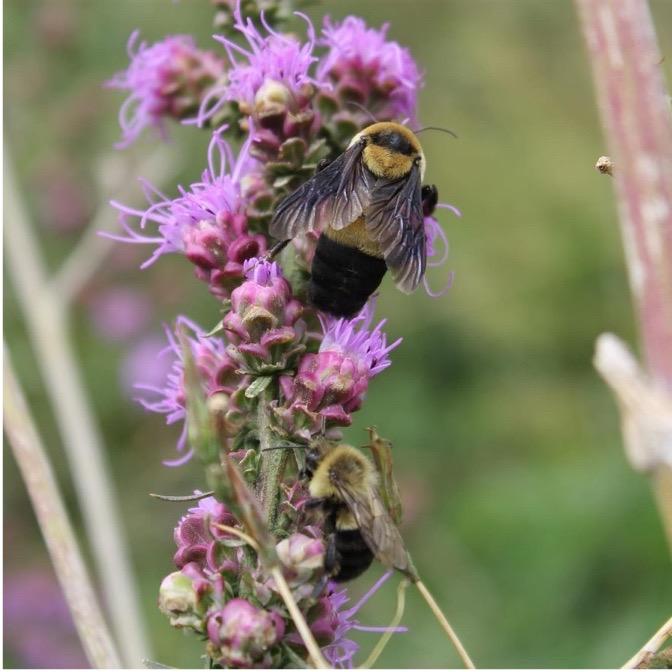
x=272, y=464
x=382, y=642
x=635, y=112
x=55, y=525
x=626, y=63
x=651, y=647
x=299, y=621
x=47, y=326
x=436, y=610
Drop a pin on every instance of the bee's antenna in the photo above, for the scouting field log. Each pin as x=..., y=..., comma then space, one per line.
x=363, y=109
x=436, y=128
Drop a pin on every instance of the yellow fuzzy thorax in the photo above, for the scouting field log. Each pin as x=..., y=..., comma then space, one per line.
x=342, y=464
x=383, y=162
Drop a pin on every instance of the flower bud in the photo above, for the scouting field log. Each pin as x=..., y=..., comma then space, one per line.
x=179, y=601
x=301, y=556
x=262, y=323
x=240, y=635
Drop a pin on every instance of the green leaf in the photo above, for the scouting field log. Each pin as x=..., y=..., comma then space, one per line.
x=257, y=386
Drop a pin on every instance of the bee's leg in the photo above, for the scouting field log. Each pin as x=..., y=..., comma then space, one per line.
x=276, y=249
x=430, y=197
x=320, y=586
x=332, y=560
x=313, y=503
x=312, y=460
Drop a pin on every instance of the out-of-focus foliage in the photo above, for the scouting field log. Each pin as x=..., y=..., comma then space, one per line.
x=520, y=510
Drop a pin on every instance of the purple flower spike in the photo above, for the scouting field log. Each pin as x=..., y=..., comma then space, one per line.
x=207, y=222
x=367, y=67
x=166, y=80
x=216, y=368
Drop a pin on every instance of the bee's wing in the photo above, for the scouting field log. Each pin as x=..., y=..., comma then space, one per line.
x=336, y=196
x=376, y=526
x=394, y=219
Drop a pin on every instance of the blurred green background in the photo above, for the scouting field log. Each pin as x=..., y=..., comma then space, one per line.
x=541, y=544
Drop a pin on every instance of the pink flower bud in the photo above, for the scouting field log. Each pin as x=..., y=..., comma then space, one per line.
x=301, y=556
x=262, y=322
x=240, y=635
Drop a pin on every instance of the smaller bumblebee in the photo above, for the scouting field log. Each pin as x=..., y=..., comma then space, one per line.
x=368, y=205
x=358, y=528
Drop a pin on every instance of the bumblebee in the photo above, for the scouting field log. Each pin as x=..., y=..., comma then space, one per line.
x=358, y=528
x=368, y=205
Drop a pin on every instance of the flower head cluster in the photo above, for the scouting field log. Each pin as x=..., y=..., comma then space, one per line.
x=207, y=222
x=248, y=632
x=330, y=385
x=219, y=375
x=270, y=84
x=167, y=80
x=367, y=68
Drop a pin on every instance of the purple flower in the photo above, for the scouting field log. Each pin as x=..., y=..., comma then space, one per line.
x=342, y=650
x=367, y=67
x=207, y=222
x=119, y=313
x=166, y=80
x=197, y=537
x=274, y=69
x=329, y=385
x=240, y=634
x=218, y=373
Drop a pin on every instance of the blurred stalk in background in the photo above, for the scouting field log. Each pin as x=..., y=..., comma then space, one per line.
x=637, y=118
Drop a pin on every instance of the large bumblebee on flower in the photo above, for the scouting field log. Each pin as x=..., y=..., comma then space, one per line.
x=358, y=528
x=368, y=205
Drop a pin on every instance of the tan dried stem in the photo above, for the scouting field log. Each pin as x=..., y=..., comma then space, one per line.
x=47, y=325
x=382, y=642
x=55, y=525
x=644, y=655
x=441, y=618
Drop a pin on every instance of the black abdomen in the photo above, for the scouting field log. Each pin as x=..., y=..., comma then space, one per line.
x=343, y=278
x=353, y=556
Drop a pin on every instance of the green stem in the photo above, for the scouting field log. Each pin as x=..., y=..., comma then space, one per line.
x=272, y=465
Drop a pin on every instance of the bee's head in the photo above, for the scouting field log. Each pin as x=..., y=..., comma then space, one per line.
x=390, y=150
